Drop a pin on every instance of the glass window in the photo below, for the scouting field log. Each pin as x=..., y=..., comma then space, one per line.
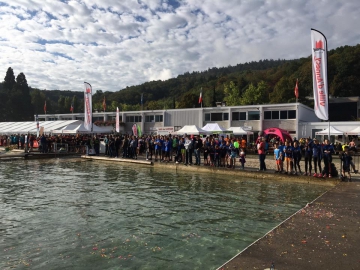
x=292, y=114
x=275, y=115
x=158, y=118
x=137, y=118
x=283, y=115
x=149, y=118
x=267, y=115
x=207, y=117
x=226, y=116
x=242, y=115
x=216, y=117
x=254, y=115
x=129, y=118
x=235, y=116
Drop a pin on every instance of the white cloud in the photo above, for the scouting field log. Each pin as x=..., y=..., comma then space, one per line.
x=114, y=44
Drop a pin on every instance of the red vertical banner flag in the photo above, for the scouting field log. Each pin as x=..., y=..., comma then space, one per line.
x=88, y=106
x=117, y=125
x=296, y=89
x=72, y=108
x=319, y=71
x=45, y=107
x=104, y=104
x=200, y=97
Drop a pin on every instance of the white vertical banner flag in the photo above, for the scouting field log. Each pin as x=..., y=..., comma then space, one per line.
x=117, y=127
x=319, y=70
x=88, y=106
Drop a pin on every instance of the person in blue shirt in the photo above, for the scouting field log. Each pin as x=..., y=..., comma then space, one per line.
x=308, y=156
x=289, y=155
x=278, y=154
x=297, y=156
x=328, y=151
x=167, y=148
x=158, y=146
x=281, y=149
x=317, y=157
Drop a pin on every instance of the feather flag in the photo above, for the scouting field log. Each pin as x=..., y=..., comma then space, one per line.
x=117, y=127
x=45, y=107
x=72, y=107
x=320, y=77
x=88, y=106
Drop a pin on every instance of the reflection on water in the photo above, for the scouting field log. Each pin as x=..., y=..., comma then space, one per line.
x=70, y=214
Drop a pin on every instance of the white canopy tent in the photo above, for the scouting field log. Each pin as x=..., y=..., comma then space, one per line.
x=30, y=126
x=192, y=130
x=215, y=128
x=333, y=131
x=355, y=131
x=240, y=131
x=77, y=128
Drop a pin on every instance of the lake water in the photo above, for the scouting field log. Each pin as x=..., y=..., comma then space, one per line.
x=73, y=214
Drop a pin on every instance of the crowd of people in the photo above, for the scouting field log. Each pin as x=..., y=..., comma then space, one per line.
x=288, y=155
x=215, y=151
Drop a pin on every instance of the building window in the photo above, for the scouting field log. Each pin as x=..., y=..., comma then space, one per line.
x=149, y=118
x=207, y=117
x=133, y=118
x=283, y=115
x=292, y=114
x=158, y=118
x=254, y=115
x=267, y=115
x=236, y=116
x=215, y=117
x=275, y=115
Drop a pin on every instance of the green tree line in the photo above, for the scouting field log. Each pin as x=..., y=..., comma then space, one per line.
x=261, y=82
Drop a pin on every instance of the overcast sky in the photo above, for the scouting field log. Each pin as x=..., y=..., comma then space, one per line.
x=117, y=43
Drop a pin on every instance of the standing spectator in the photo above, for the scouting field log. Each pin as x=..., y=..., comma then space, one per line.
x=297, y=157
x=197, y=142
x=317, y=156
x=261, y=153
x=346, y=160
x=188, y=151
x=328, y=151
x=289, y=155
x=308, y=156
x=278, y=158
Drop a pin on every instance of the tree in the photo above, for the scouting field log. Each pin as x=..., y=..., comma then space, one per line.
x=61, y=104
x=255, y=95
x=283, y=91
x=19, y=102
x=189, y=100
x=37, y=100
x=232, y=94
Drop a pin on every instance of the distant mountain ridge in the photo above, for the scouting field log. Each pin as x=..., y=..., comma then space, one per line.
x=260, y=82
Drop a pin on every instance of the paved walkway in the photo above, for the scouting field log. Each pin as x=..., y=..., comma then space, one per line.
x=322, y=235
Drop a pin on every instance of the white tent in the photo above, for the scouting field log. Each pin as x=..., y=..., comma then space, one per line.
x=215, y=128
x=192, y=130
x=79, y=128
x=355, y=131
x=333, y=131
x=240, y=131
x=30, y=126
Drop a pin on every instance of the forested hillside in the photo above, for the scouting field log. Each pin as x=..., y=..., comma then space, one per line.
x=266, y=81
